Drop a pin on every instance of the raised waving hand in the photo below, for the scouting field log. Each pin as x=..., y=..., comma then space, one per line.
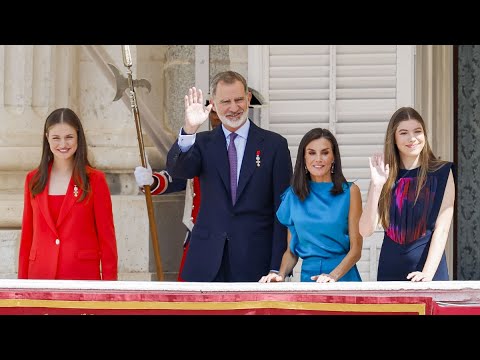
x=195, y=112
x=378, y=169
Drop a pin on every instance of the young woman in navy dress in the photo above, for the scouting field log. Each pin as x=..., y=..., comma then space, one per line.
x=411, y=194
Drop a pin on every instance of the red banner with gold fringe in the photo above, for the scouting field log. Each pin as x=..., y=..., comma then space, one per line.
x=141, y=302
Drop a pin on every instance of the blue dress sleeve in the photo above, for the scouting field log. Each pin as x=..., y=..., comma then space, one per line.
x=284, y=210
x=284, y=215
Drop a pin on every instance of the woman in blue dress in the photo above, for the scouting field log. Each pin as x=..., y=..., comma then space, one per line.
x=321, y=210
x=411, y=194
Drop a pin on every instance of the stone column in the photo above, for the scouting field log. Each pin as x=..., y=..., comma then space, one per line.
x=468, y=179
x=28, y=89
x=179, y=77
x=229, y=57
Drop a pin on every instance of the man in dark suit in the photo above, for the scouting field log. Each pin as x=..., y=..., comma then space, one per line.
x=236, y=236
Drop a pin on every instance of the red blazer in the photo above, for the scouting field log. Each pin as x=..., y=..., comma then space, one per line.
x=81, y=245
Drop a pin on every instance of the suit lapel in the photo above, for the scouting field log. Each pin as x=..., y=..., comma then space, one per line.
x=68, y=201
x=42, y=199
x=218, y=152
x=248, y=162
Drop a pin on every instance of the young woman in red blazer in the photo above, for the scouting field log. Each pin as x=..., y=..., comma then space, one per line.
x=67, y=228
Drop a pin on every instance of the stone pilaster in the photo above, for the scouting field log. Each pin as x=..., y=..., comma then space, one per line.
x=179, y=77
x=468, y=179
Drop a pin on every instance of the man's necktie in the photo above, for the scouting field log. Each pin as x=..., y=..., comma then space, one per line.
x=232, y=158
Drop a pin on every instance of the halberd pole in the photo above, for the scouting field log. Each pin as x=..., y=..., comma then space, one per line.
x=122, y=85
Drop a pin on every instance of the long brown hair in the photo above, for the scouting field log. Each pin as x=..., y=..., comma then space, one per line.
x=300, y=178
x=80, y=159
x=428, y=161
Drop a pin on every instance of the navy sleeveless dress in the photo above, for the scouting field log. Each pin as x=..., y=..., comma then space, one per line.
x=407, y=240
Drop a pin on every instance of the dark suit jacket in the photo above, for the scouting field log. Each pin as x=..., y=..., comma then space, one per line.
x=256, y=240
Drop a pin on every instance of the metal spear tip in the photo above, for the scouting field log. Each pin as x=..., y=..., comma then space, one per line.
x=122, y=82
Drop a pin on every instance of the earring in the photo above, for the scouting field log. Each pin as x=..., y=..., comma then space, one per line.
x=332, y=169
x=306, y=170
